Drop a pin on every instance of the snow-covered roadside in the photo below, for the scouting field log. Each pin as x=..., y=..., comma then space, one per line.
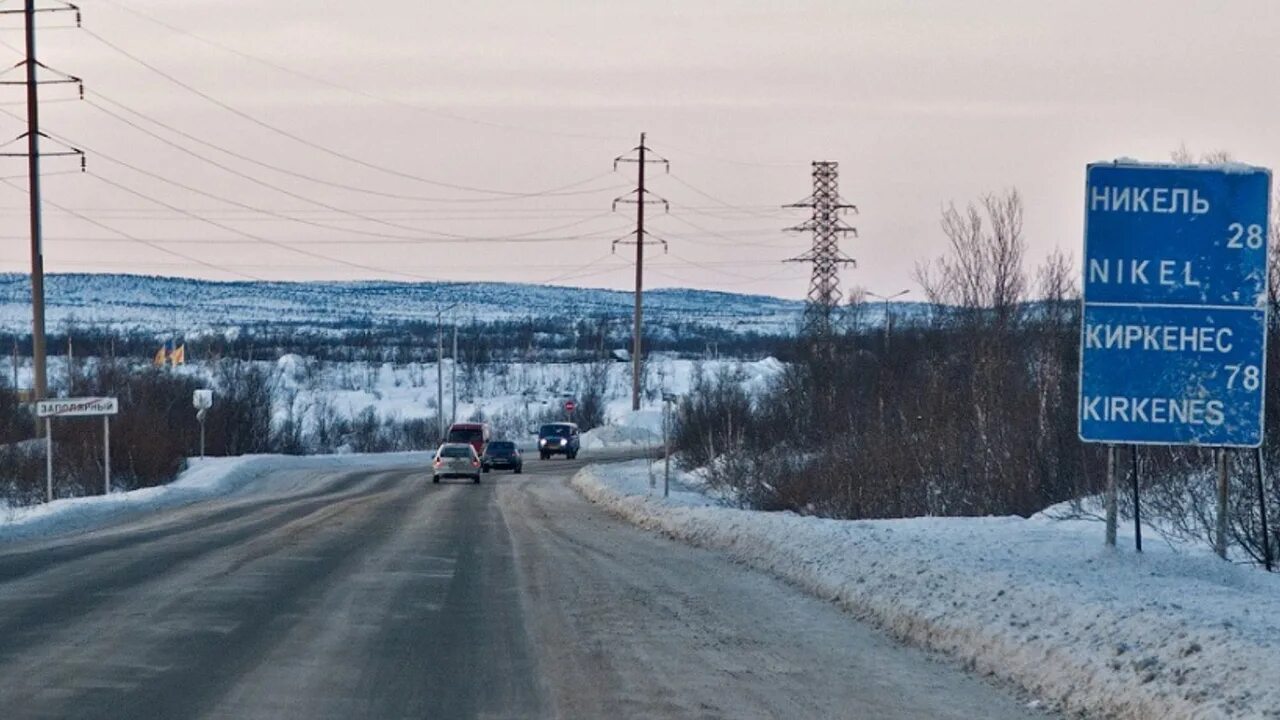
x=203, y=479
x=1038, y=602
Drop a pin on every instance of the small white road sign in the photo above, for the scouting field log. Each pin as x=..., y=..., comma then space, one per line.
x=77, y=407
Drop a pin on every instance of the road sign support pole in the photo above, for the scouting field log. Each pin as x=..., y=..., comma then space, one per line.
x=1262, y=510
x=666, y=449
x=453, y=375
x=1110, y=497
x=1137, y=505
x=48, y=459
x=106, y=454
x=202, y=437
x=1220, y=537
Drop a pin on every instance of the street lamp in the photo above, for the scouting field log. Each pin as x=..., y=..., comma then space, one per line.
x=888, y=317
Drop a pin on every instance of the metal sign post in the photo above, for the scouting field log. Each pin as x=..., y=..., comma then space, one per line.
x=202, y=400
x=1173, y=337
x=1262, y=509
x=106, y=454
x=48, y=459
x=77, y=407
x=1137, y=504
x=667, y=400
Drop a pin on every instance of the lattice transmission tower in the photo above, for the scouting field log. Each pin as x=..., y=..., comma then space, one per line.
x=825, y=255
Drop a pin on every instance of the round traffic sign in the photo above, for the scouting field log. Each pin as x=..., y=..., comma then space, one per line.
x=570, y=406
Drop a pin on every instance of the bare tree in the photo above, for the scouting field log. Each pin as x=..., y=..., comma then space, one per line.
x=1184, y=156
x=982, y=269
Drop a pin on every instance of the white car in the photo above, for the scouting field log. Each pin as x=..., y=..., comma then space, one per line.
x=455, y=460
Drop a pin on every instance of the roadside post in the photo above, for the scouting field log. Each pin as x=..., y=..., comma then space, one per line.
x=202, y=400
x=667, y=400
x=1137, y=504
x=1262, y=510
x=77, y=407
x=1111, y=496
x=1173, y=331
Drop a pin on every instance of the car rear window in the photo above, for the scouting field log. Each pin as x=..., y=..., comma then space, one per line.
x=501, y=446
x=455, y=452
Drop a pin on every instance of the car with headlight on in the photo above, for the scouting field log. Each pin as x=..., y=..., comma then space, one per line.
x=454, y=460
x=558, y=438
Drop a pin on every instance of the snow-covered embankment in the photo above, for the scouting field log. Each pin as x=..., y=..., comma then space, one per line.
x=1037, y=602
x=203, y=479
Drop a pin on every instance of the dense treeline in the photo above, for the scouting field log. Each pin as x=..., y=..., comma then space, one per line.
x=544, y=339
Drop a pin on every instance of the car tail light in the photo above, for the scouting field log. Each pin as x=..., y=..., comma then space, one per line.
x=436, y=463
x=475, y=463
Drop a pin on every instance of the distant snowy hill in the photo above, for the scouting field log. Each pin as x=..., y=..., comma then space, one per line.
x=147, y=303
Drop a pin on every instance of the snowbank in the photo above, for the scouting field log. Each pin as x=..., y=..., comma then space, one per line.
x=641, y=428
x=204, y=478
x=1039, y=602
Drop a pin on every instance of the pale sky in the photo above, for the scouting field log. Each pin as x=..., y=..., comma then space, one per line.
x=921, y=103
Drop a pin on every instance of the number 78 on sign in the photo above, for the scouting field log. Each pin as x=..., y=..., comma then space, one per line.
x=1173, y=337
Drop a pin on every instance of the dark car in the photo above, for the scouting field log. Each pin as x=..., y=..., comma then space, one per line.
x=502, y=454
x=561, y=438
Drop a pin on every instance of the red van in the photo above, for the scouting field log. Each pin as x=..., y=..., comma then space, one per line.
x=474, y=434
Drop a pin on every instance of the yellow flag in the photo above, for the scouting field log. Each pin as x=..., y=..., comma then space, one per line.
x=160, y=357
x=179, y=356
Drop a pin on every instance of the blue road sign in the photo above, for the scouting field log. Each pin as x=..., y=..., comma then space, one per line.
x=1173, y=338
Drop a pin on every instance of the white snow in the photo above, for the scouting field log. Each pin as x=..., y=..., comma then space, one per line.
x=640, y=428
x=204, y=478
x=1039, y=602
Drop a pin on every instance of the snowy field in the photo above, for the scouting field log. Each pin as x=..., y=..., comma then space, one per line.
x=510, y=395
x=1173, y=632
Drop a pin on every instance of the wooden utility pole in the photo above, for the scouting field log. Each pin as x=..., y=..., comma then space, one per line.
x=642, y=198
x=40, y=388
x=40, y=384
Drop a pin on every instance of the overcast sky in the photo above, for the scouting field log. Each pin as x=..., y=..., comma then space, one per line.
x=921, y=103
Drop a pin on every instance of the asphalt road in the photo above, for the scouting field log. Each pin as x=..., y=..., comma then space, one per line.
x=375, y=594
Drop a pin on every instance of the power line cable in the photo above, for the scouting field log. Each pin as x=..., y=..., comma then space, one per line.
x=135, y=239
x=355, y=91
x=303, y=198
x=717, y=200
x=421, y=237
x=301, y=140
x=733, y=161
x=264, y=240
x=559, y=192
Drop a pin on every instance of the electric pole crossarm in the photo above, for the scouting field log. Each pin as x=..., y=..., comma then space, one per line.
x=60, y=7
x=624, y=199
x=60, y=79
x=834, y=226
x=627, y=240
